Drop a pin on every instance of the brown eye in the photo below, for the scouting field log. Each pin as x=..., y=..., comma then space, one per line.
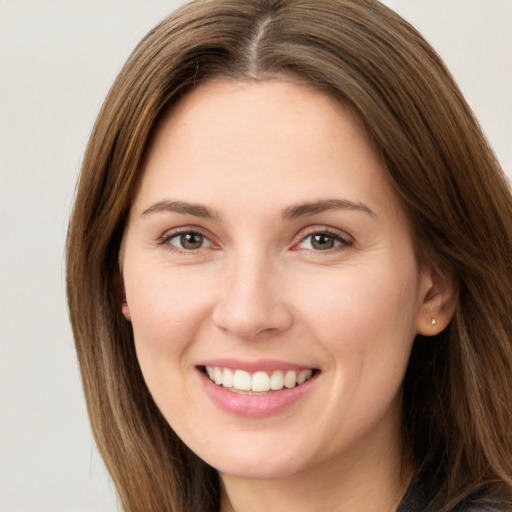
x=322, y=242
x=187, y=241
x=191, y=241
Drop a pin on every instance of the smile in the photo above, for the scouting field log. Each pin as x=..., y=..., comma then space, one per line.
x=241, y=381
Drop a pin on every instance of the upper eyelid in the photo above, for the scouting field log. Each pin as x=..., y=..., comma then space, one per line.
x=312, y=230
x=175, y=232
x=170, y=233
x=299, y=237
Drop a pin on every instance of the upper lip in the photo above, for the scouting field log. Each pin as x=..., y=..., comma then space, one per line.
x=255, y=365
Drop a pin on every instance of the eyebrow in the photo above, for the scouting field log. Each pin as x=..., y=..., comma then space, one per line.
x=292, y=212
x=183, y=207
x=301, y=210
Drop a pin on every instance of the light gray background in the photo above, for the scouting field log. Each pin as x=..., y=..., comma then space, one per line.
x=57, y=61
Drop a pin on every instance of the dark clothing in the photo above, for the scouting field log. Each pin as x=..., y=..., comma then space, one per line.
x=416, y=500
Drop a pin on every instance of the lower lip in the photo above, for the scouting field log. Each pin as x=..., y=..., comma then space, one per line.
x=256, y=406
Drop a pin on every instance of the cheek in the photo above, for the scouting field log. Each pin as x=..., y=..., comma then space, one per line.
x=165, y=315
x=365, y=317
x=365, y=320
x=378, y=294
x=164, y=305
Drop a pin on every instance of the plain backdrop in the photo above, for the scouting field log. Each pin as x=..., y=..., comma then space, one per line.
x=57, y=61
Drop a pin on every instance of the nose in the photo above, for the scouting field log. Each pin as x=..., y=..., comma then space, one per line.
x=251, y=301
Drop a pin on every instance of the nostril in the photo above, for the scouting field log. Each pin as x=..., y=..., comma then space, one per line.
x=252, y=321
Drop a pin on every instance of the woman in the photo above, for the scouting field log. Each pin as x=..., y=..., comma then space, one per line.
x=284, y=278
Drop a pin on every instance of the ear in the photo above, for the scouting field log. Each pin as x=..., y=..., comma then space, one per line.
x=121, y=295
x=120, y=284
x=438, y=299
x=124, y=307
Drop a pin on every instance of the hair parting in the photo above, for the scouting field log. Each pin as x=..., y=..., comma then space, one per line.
x=457, y=391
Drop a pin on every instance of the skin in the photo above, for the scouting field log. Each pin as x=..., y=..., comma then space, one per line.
x=258, y=289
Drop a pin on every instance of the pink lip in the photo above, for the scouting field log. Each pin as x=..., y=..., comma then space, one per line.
x=256, y=406
x=266, y=365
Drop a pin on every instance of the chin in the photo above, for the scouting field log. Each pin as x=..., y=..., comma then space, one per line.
x=242, y=467
x=257, y=461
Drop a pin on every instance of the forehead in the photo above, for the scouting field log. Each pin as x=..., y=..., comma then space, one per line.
x=261, y=140
x=243, y=112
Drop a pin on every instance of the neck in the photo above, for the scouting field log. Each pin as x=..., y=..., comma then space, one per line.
x=275, y=496
x=348, y=484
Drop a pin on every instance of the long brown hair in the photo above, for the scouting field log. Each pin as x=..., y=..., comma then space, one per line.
x=458, y=389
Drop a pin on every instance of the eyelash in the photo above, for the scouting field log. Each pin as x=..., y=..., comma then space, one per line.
x=165, y=240
x=345, y=241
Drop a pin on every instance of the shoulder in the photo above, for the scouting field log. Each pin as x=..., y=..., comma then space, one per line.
x=418, y=498
x=483, y=506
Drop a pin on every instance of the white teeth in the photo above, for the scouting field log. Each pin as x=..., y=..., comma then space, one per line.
x=217, y=375
x=259, y=382
x=290, y=379
x=277, y=380
x=242, y=380
x=303, y=376
x=228, y=378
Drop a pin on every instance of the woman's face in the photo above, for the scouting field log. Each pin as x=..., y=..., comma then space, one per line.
x=266, y=251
